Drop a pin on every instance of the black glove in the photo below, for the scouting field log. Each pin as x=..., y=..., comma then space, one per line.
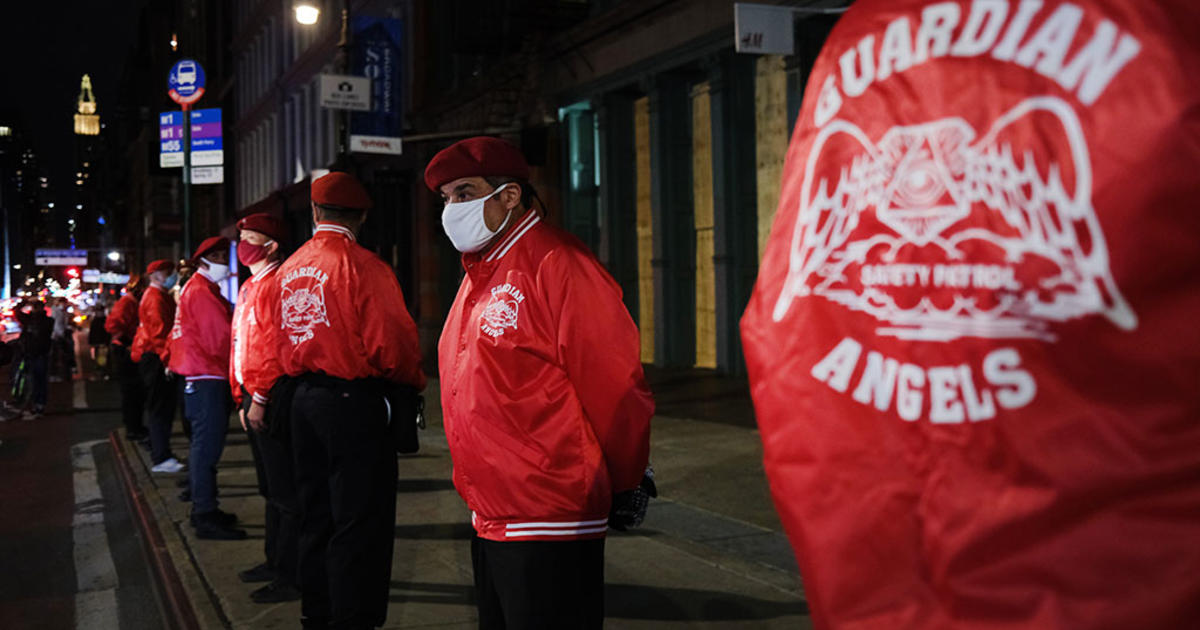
x=629, y=507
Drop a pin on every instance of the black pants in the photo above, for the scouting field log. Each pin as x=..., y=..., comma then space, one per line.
x=133, y=393
x=162, y=394
x=276, y=483
x=534, y=585
x=346, y=480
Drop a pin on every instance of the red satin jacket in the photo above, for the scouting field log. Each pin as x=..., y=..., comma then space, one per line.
x=156, y=313
x=199, y=340
x=122, y=322
x=973, y=346
x=343, y=314
x=545, y=405
x=254, y=362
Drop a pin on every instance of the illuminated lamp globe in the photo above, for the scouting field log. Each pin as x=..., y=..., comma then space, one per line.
x=307, y=13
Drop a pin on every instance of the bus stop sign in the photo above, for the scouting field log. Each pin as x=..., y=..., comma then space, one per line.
x=185, y=83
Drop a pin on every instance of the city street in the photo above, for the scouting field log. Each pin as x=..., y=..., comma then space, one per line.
x=71, y=551
x=709, y=555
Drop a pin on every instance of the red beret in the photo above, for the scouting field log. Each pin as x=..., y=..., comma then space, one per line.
x=342, y=190
x=482, y=156
x=161, y=264
x=209, y=244
x=263, y=223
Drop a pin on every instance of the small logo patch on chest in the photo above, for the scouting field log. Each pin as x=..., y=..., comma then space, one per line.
x=502, y=310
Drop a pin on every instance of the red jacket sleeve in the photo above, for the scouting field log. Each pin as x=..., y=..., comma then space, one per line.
x=599, y=346
x=237, y=334
x=123, y=321
x=388, y=332
x=262, y=366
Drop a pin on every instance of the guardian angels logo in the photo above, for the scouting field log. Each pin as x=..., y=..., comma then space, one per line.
x=940, y=230
x=939, y=234
x=303, y=303
x=502, y=310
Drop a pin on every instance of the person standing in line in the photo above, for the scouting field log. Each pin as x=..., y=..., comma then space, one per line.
x=253, y=369
x=544, y=400
x=122, y=325
x=348, y=340
x=199, y=352
x=156, y=312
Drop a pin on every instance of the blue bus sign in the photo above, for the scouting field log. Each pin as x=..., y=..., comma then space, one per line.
x=185, y=83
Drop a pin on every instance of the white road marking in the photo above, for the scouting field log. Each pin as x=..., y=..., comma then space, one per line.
x=96, y=575
x=79, y=391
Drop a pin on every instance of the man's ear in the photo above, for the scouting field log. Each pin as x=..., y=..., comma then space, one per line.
x=511, y=195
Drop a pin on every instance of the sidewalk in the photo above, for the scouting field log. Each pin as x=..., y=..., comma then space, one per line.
x=710, y=554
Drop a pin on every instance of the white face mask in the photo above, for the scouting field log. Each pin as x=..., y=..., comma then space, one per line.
x=464, y=224
x=216, y=271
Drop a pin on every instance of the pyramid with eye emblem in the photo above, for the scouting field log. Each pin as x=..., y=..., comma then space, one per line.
x=924, y=167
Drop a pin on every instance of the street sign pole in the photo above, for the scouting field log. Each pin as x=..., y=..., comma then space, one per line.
x=185, y=85
x=187, y=179
x=345, y=47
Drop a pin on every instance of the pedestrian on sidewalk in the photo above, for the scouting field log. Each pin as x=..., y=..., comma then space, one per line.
x=156, y=313
x=544, y=400
x=62, y=354
x=349, y=340
x=99, y=339
x=973, y=343
x=35, y=345
x=253, y=369
x=199, y=353
x=122, y=325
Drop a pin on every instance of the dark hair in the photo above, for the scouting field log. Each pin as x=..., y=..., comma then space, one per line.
x=340, y=214
x=528, y=194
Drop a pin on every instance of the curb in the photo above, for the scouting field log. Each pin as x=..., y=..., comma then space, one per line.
x=173, y=597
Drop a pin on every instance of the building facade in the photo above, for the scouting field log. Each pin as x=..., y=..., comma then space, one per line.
x=655, y=143
x=648, y=136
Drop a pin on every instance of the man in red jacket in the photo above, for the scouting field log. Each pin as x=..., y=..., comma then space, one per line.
x=347, y=335
x=156, y=312
x=545, y=404
x=199, y=349
x=122, y=325
x=973, y=345
x=253, y=369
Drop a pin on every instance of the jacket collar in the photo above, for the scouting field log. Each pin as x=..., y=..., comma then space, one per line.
x=490, y=256
x=335, y=228
x=264, y=272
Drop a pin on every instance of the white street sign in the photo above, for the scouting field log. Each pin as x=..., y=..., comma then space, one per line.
x=107, y=277
x=339, y=91
x=207, y=158
x=208, y=174
x=170, y=160
x=60, y=257
x=375, y=144
x=764, y=29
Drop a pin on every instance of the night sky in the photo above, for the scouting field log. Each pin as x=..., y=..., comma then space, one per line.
x=47, y=46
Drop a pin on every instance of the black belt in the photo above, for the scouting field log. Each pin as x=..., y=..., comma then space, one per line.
x=405, y=401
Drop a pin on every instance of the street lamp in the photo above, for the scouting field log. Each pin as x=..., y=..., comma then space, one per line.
x=114, y=256
x=307, y=13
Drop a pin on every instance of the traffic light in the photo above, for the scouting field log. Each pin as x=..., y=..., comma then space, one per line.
x=73, y=272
